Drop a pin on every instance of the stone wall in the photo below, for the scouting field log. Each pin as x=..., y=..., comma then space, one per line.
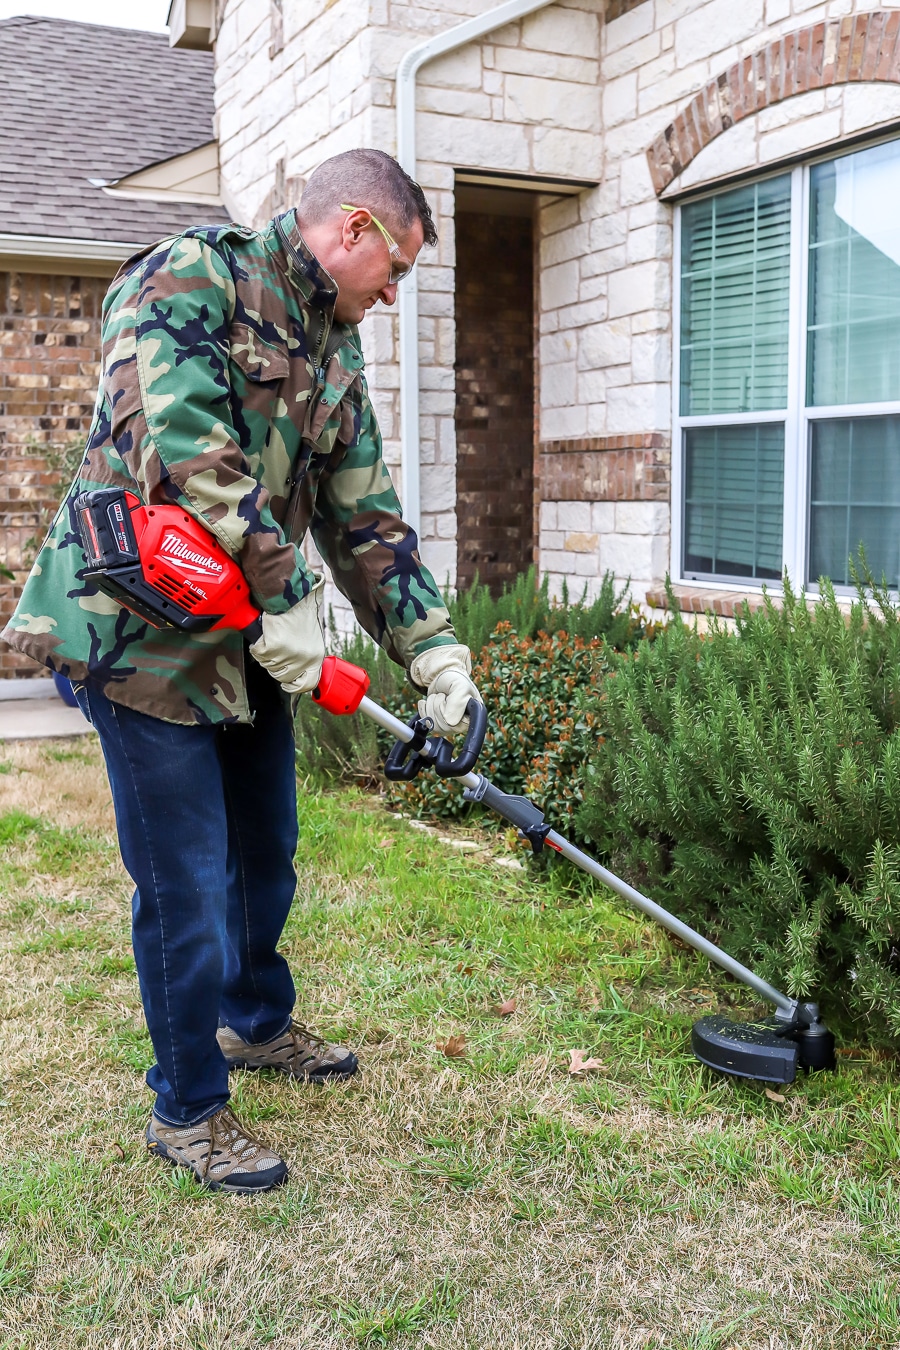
x=49, y=367
x=607, y=266
x=624, y=93
x=857, y=49
x=526, y=99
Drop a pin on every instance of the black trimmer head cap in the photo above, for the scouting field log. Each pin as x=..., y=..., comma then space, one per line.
x=769, y=1051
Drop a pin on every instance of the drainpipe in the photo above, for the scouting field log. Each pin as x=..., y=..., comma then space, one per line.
x=408, y=293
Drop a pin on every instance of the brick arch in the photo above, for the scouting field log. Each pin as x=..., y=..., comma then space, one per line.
x=858, y=48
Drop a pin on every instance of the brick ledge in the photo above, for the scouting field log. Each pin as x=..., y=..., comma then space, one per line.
x=640, y=440
x=692, y=600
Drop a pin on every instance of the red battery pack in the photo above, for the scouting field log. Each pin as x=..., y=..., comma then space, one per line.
x=161, y=564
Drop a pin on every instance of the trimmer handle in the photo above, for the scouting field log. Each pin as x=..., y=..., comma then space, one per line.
x=472, y=745
x=342, y=689
x=407, y=758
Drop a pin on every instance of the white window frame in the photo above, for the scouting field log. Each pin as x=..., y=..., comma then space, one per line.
x=796, y=417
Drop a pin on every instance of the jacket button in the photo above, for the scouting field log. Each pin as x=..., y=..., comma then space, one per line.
x=214, y=689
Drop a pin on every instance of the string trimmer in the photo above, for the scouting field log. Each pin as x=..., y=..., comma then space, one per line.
x=770, y=1050
x=163, y=565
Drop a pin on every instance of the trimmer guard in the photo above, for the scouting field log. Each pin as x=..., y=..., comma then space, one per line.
x=761, y=1050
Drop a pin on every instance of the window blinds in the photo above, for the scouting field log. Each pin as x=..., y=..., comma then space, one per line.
x=735, y=300
x=733, y=501
x=855, y=497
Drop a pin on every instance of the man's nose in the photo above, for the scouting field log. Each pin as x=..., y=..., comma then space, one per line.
x=388, y=294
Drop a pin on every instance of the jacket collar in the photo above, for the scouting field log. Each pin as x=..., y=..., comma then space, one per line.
x=316, y=285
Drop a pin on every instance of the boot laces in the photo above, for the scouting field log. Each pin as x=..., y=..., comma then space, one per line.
x=228, y=1135
x=303, y=1039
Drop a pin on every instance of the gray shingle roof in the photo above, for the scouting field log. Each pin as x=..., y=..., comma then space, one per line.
x=81, y=101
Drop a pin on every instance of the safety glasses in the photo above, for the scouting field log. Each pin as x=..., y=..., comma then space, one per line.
x=400, y=268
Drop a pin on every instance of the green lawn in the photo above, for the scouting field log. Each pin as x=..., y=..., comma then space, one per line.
x=489, y=1200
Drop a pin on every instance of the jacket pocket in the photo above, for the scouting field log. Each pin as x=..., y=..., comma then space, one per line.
x=258, y=372
x=260, y=361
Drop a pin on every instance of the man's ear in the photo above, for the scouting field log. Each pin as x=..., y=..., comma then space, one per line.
x=353, y=228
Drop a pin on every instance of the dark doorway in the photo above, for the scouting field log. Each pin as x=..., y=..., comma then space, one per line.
x=494, y=384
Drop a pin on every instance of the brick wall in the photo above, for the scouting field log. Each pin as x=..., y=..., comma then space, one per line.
x=494, y=397
x=49, y=362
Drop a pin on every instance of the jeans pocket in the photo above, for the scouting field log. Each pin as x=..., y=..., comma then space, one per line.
x=81, y=698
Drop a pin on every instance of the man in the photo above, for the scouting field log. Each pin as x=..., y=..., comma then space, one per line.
x=232, y=385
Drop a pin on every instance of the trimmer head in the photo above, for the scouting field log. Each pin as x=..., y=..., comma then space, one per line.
x=771, y=1050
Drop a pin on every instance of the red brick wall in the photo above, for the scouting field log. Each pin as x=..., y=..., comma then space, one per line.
x=607, y=469
x=494, y=397
x=49, y=362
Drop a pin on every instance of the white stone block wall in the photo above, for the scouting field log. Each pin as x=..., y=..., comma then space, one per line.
x=606, y=256
x=560, y=92
x=581, y=541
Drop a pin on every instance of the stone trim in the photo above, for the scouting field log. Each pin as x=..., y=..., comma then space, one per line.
x=858, y=48
x=632, y=468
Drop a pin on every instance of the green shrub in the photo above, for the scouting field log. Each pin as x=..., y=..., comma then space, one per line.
x=352, y=749
x=528, y=609
x=531, y=688
x=750, y=781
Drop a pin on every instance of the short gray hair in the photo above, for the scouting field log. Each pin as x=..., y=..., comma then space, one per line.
x=367, y=178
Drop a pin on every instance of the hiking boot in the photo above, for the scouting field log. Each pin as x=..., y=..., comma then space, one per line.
x=297, y=1051
x=220, y=1151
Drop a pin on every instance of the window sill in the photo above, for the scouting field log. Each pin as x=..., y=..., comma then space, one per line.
x=693, y=599
x=709, y=600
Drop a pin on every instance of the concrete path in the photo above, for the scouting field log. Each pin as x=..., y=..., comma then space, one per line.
x=32, y=710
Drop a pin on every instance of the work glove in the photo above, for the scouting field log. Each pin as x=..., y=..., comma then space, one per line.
x=445, y=675
x=292, y=646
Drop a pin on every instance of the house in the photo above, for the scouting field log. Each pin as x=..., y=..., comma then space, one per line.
x=661, y=331
x=106, y=144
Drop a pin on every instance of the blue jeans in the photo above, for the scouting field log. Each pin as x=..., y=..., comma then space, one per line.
x=207, y=825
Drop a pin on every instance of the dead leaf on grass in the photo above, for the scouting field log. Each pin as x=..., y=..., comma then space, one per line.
x=385, y=843
x=454, y=1047
x=775, y=1096
x=579, y=1063
x=463, y=969
x=507, y=1008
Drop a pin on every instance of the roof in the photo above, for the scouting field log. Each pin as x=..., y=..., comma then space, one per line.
x=81, y=101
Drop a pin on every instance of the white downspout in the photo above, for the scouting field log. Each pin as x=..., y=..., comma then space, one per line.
x=407, y=292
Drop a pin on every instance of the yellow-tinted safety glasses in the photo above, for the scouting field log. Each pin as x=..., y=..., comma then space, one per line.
x=400, y=268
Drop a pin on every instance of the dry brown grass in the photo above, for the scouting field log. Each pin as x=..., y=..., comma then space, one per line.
x=554, y=1215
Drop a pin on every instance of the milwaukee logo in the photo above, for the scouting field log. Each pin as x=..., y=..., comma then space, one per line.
x=175, y=550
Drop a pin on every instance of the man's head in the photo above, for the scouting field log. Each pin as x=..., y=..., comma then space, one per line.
x=354, y=207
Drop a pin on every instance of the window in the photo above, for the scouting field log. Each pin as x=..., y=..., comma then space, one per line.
x=788, y=389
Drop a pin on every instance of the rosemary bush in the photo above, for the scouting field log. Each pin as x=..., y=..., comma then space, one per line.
x=750, y=781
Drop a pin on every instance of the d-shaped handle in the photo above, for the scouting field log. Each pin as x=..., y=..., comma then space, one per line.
x=472, y=745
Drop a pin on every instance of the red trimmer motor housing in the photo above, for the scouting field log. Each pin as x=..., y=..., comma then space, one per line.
x=161, y=564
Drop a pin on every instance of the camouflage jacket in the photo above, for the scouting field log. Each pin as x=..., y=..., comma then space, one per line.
x=228, y=389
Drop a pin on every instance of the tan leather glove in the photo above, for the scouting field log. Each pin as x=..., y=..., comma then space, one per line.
x=292, y=646
x=445, y=674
